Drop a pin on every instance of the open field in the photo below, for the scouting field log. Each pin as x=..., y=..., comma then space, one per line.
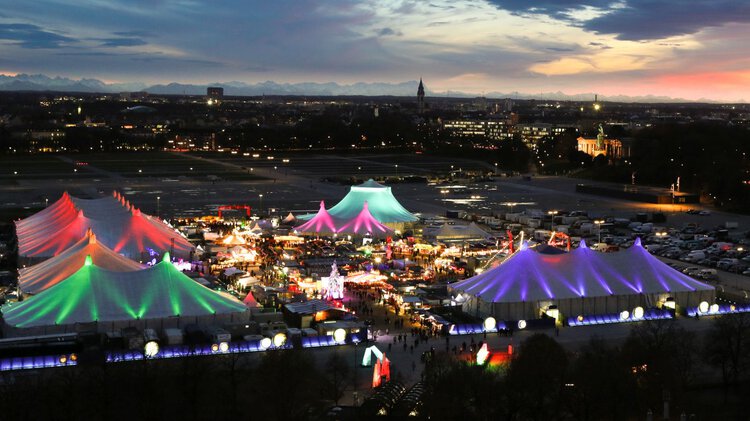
x=296, y=185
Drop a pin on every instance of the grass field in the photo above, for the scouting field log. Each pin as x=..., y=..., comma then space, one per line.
x=100, y=165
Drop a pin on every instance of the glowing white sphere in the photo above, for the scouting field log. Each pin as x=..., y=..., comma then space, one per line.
x=279, y=340
x=224, y=346
x=638, y=312
x=522, y=324
x=151, y=349
x=265, y=343
x=624, y=315
x=703, y=307
x=339, y=335
x=714, y=308
x=490, y=323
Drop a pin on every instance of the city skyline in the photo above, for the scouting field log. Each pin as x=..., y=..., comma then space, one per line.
x=633, y=48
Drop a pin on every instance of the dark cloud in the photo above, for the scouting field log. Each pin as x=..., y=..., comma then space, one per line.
x=389, y=32
x=648, y=19
x=121, y=42
x=639, y=20
x=556, y=8
x=32, y=36
x=438, y=23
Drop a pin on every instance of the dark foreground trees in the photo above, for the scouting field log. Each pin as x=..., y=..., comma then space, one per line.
x=659, y=362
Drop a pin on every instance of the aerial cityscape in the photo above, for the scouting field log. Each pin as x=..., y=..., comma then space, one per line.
x=351, y=210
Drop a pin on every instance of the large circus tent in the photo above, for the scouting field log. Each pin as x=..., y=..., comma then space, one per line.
x=116, y=223
x=583, y=282
x=382, y=204
x=94, y=294
x=35, y=279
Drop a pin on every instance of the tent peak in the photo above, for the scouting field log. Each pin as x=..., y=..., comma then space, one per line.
x=166, y=257
x=88, y=261
x=91, y=236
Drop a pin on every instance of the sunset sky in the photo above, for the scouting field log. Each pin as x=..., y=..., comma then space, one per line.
x=692, y=49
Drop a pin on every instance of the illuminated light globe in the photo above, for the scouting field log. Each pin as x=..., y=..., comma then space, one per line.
x=732, y=307
x=703, y=307
x=522, y=324
x=670, y=303
x=151, y=349
x=624, y=315
x=339, y=335
x=279, y=340
x=638, y=312
x=580, y=317
x=265, y=343
x=214, y=347
x=63, y=359
x=73, y=357
x=490, y=324
x=224, y=346
x=714, y=308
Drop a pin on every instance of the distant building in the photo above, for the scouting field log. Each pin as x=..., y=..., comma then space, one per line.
x=494, y=129
x=420, y=97
x=531, y=134
x=601, y=145
x=214, y=92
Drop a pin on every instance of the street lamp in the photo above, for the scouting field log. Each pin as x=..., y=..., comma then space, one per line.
x=157, y=206
x=260, y=210
x=355, y=394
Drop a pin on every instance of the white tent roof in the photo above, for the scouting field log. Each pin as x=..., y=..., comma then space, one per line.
x=531, y=276
x=39, y=277
x=459, y=232
x=308, y=307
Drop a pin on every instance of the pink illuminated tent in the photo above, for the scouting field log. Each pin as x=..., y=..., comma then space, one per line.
x=35, y=279
x=320, y=223
x=116, y=223
x=364, y=223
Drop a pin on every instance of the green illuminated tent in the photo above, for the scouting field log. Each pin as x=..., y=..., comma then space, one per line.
x=94, y=294
x=382, y=204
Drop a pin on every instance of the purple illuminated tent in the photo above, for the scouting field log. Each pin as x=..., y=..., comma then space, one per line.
x=580, y=282
x=364, y=223
x=321, y=223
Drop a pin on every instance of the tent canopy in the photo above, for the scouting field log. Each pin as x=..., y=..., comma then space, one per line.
x=529, y=276
x=116, y=223
x=364, y=223
x=95, y=294
x=383, y=205
x=459, y=232
x=35, y=279
x=320, y=223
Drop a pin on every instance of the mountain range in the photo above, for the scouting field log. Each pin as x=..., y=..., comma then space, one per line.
x=40, y=82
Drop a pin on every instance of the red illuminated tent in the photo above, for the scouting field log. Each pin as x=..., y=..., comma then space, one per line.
x=35, y=279
x=320, y=223
x=116, y=223
x=364, y=223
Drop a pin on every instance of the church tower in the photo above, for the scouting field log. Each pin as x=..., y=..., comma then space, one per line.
x=420, y=97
